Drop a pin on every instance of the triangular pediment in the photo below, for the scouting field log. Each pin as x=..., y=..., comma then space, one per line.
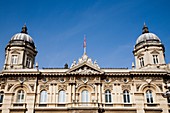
x=154, y=52
x=85, y=66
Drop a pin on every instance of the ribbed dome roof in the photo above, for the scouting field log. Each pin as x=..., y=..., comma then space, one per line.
x=23, y=36
x=146, y=36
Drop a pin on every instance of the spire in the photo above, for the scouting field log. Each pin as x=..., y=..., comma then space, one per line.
x=84, y=44
x=145, y=29
x=24, y=29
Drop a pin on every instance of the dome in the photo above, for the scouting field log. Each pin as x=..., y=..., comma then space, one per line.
x=146, y=36
x=22, y=37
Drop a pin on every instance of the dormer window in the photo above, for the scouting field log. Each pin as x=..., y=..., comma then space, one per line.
x=141, y=61
x=28, y=62
x=14, y=59
x=155, y=59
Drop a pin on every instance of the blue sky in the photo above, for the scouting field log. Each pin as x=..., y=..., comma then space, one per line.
x=58, y=27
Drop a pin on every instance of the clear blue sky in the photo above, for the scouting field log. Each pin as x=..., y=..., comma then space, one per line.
x=58, y=27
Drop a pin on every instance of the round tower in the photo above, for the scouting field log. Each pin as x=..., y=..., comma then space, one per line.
x=20, y=52
x=149, y=51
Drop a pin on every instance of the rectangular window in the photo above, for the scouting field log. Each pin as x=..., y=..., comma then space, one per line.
x=28, y=62
x=155, y=59
x=141, y=61
x=14, y=59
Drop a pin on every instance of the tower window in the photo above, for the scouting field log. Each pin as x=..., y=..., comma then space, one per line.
x=108, y=97
x=14, y=59
x=28, y=62
x=155, y=59
x=149, y=96
x=141, y=60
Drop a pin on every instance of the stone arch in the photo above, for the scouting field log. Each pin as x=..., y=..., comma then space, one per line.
x=25, y=87
x=151, y=86
x=83, y=86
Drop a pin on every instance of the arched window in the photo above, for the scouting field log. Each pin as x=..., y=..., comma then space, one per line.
x=1, y=97
x=126, y=96
x=108, y=96
x=84, y=96
x=20, y=96
x=149, y=96
x=43, y=96
x=62, y=96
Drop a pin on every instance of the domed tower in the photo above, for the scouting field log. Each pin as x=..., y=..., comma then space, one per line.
x=149, y=51
x=20, y=52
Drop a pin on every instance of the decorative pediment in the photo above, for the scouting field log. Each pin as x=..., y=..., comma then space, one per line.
x=15, y=52
x=154, y=52
x=84, y=66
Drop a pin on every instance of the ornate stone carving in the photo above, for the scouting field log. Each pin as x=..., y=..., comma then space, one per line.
x=60, y=87
x=160, y=86
x=85, y=70
x=2, y=86
x=108, y=87
x=46, y=87
x=137, y=87
x=32, y=86
x=9, y=86
x=126, y=87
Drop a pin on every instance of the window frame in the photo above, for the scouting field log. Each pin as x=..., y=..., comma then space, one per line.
x=155, y=59
x=85, y=96
x=28, y=62
x=1, y=97
x=14, y=59
x=108, y=96
x=20, y=96
x=126, y=96
x=149, y=96
x=62, y=96
x=43, y=97
x=141, y=61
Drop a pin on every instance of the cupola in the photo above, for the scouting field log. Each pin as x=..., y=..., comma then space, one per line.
x=148, y=50
x=20, y=51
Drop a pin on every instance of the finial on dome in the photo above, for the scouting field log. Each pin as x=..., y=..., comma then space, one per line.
x=24, y=29
x=145, y=29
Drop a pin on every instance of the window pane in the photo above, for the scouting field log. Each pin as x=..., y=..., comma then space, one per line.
x=20, y=96
x=43, y=96
x=108, y=96
x=85, y=96
x=62, y=96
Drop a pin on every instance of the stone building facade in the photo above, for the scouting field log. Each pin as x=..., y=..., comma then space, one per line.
x=84, y=87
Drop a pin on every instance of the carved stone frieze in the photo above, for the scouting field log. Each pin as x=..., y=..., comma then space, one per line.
x=160, y=86
x=85, y=70
x=107, y=86
x=9, y=86
x=137, y=87
x=32, y=86
x=126, y=87
x=46, y=87
x=2, y=86
x=62, y=87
